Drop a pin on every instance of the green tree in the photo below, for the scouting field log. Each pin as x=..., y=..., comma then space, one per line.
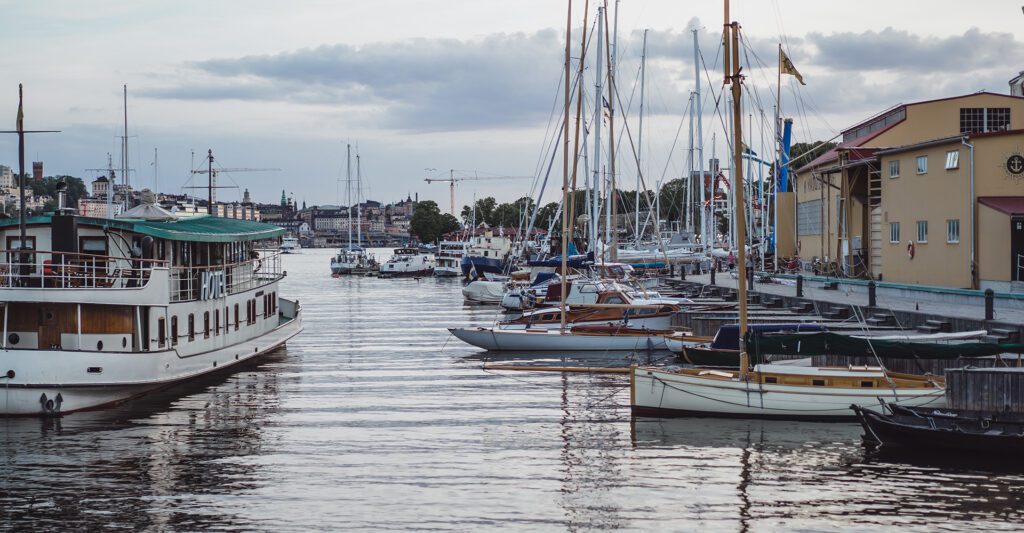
x=428, y=224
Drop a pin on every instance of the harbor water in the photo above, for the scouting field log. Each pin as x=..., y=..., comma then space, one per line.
x=375, y=419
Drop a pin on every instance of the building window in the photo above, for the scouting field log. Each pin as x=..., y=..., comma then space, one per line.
x=174, y=331
x=161, y=332
x=894, y=168
x=953, y=231
x=984, y=119
x=894, y=232
x=808, y=216
x=922, y=164
x=191, y=327
x=922, y=231
x=952, y=159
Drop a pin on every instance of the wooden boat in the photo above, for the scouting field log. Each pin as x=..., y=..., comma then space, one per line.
x=924, y=430
x=612, y=306
x=724, y=351
x=777, y=392
x=579, y=338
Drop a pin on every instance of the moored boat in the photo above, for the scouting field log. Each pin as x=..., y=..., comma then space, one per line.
x=408, y=262
x=936, y=431
x=579, y=338
x=97, y=311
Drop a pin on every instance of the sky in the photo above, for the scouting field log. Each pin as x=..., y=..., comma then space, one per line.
x=419, y=88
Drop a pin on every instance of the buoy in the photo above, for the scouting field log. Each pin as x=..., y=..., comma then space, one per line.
x=910, y=249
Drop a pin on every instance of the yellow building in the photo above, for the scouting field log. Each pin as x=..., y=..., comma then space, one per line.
x=918, y=194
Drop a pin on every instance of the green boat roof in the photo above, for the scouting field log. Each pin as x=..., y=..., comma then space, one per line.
x=202, y=228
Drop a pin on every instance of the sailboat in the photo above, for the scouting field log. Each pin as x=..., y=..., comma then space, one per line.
x=770, y=390
x=352, y=258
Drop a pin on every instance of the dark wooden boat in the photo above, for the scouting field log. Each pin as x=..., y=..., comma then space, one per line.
x=929, y=430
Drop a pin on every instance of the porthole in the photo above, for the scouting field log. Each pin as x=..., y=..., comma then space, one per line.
x=99, y=346
x=13, y=338
x=124, y=342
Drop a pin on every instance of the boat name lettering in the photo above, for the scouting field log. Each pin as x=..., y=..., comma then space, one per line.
x=213, y=285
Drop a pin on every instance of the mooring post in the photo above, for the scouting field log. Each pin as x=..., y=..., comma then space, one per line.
x=799, y=286
x=872, y=298
x=671, y=270
x=682, y=271
x=750, y=278
x=990, y=304
x=714, y=267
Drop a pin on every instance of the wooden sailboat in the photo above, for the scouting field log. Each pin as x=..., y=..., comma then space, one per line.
x=769, y=391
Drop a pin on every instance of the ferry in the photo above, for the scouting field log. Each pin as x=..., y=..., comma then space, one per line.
x=408, y=262
x=100, y=311
x=449, y=258
x=290, y=245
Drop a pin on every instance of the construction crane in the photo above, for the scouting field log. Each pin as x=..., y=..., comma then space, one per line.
x=212, y=178
x=452, y=180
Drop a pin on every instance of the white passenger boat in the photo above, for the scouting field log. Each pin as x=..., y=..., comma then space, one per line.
x=449, y=258
x=352, y=260
x=408, y=262
x=290, y=245
x=97, y=311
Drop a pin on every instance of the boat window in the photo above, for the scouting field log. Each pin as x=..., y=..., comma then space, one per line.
x=771, y=379
x=14, y=243
x=818, y=382
x=161, y=333
x=174, y=331
x=191, y=327
x=548, y=316
x=216, y=321
x=227, y=320
x=236, y=317
x=615, y=300
x=666, y=309
x=93, y=245
x=867, y=384
x=206, y=325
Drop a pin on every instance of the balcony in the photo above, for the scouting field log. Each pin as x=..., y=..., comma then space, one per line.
x=209, y=282
x=44, y=269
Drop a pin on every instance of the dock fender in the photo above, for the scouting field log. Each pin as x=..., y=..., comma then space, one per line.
x=910, y=249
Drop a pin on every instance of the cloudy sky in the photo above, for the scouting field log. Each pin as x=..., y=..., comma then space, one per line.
x=461, y=84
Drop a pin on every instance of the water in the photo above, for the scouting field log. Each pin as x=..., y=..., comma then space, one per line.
x=374, y=419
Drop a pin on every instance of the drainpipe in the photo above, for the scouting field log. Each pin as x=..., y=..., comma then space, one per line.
x=974, y=284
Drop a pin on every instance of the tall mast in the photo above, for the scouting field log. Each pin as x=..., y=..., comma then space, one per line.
x=640, y=140
x=705, y=233
x=612, y=194
x=565, y=170
x=598, y=119
x=348, y=191
x=732, y=31
x=22, y=227
x=359, y=207
x=687, y=210
x=124, y=149
x=156, y=173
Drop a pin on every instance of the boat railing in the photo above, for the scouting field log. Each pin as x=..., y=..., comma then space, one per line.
x=214, y=281
x=47, y=269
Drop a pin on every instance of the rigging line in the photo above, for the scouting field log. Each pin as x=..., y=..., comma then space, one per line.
x=718, y=103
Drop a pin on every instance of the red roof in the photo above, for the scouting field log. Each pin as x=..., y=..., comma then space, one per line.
x=833, y=154
x=1011, y=205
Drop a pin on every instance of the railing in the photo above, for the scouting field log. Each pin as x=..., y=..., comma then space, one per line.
x=208, y=282
x=64, y=270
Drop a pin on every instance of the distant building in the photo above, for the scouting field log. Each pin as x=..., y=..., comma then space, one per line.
x=6, y=177
x=37, y=170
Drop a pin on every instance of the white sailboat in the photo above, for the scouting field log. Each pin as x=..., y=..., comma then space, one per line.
x=770, y=391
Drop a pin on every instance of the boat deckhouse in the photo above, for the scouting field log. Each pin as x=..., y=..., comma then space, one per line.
x=929, y=193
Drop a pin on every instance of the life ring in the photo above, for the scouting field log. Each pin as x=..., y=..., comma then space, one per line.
x=910, y=249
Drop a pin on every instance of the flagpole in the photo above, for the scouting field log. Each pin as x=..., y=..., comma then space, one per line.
x=21, y=178
x=778, y=163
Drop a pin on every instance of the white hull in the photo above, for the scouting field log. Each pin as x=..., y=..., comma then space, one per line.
x=553, y=340
x=661, y=393
x=484, y=292
x=658, y=322
x=49, y=382
x=445, y=272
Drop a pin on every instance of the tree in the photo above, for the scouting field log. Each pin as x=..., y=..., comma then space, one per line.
x=48, y=187
x=428, y=224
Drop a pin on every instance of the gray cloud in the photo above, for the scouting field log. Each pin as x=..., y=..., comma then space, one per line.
x=509, y=80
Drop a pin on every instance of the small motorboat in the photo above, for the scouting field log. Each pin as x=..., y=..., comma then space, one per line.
x=930, y=430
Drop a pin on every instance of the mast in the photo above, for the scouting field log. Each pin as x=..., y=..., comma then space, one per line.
x=22, y=227
x=778, y=162
x=704, y=233
x=732, y=31
x=565, y=170
x=598, y=119
x=640, y=140
x=156, y=173
x=359, y=207
x=211, y=181
x=124, y=149
x=348, y=191
x=611, y=222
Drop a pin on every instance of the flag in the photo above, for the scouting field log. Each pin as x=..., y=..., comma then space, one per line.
x=473, y=276
x=786, y=67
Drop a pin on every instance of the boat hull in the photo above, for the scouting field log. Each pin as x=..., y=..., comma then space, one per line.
x=944, y=432
x=669, y=394
x=553, y=340
x=58, y=382
x=482, y=264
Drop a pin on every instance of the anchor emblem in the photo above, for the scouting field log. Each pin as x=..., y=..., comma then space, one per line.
x=1015, y=164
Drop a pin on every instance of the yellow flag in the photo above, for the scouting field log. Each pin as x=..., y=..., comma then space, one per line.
x=786, y=67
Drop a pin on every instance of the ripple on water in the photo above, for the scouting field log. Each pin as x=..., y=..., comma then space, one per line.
x=375, y=418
